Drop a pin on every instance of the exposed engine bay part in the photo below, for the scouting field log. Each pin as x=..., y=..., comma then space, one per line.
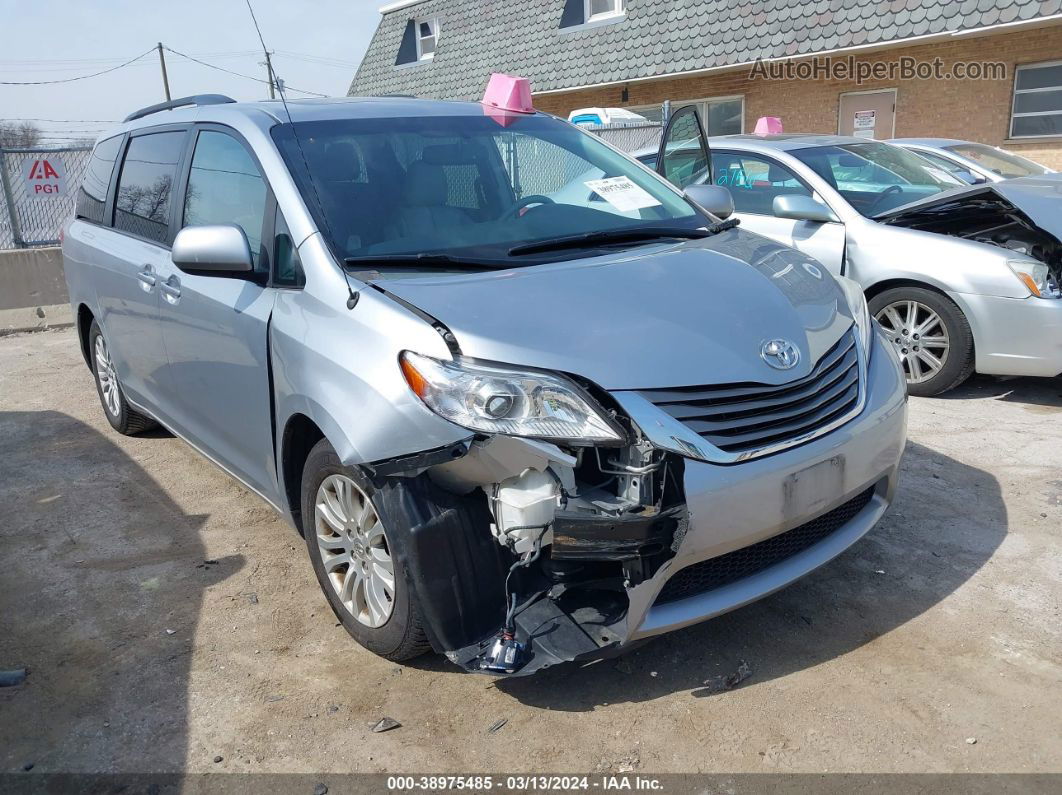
x=987, y=217
x=523, y=552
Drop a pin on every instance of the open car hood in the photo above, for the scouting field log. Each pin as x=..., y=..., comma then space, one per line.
x=1039, y=198
x=657, y=316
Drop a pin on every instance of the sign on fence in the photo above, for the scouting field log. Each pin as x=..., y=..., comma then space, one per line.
x=38, y=189
x=46, y=176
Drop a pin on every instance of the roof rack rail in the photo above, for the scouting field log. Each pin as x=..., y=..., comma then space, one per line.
x=195, y=99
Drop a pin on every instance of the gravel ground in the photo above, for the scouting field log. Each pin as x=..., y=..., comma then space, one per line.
x=168, y=618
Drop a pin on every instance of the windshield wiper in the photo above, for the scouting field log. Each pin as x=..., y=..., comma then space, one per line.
x=414, y=260
x=619, y=236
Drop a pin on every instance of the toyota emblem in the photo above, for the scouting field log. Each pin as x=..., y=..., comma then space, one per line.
x=780, y=354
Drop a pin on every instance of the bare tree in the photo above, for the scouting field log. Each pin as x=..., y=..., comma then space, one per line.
x=19, y=135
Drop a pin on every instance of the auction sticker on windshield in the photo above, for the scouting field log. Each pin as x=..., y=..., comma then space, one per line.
x=622, y=194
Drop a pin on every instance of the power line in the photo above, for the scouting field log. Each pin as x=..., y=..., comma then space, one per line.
x=79, y=77
x=29, y=63
x=240, y=74
x=318, y=59
x=62, y=121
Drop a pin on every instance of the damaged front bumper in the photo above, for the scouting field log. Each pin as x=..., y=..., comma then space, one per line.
x=707, y=539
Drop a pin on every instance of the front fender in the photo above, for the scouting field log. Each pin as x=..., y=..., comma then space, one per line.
x=339, y=367
x=878, y=253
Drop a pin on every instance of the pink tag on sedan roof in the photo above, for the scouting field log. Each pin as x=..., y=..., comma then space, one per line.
x=768, y=125
x=507, y=92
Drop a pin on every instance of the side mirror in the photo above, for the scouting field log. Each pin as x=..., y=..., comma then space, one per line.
x=802, y=208
x=217, y=249
x=712, y=198
x=972, y=177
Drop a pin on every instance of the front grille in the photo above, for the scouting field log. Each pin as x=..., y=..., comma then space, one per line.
x=747, y=418
x=741, y=563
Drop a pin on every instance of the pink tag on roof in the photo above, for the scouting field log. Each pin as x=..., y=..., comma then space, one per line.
x=768, y=125
x=507, y=92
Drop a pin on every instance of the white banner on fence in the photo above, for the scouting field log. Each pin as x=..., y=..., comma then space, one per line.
x=45, y=177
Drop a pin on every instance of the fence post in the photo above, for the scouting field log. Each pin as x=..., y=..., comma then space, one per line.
x=9, y=200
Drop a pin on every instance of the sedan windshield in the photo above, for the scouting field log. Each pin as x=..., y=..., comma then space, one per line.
x=471, y=188
x=875, y=177
x=1005, y=164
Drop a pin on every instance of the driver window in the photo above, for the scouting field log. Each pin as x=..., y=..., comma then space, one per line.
x=226, y=187
x=754, y=182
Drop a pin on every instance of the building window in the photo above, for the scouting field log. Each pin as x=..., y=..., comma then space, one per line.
x=1037, y=108
x=427, y=36
x=719, y=115
x=602, y=9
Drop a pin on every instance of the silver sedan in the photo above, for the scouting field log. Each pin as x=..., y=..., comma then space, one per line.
x=961, y=278
x=972, y=162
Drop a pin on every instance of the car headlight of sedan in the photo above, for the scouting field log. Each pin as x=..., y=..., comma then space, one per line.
x=1036, y=277
x=494, y=399
x=857, y=303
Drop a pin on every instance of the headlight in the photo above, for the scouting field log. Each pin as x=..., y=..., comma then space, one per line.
x=1035, y=276
x=857, y=302
x=512, y=402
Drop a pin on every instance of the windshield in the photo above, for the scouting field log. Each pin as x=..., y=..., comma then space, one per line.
x=997, y=161
x=875, y=177
x=469, y=187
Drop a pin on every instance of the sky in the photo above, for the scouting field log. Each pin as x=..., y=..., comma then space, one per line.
x=317, y=44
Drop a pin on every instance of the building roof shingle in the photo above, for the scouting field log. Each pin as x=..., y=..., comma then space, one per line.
x=657, y=37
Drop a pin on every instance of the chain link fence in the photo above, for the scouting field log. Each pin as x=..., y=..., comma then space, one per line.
x=630, y=138
x=39, y=191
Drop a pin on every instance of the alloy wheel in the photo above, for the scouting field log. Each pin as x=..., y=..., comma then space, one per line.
x=354, y=550
x=108, y=378
x=919, y=336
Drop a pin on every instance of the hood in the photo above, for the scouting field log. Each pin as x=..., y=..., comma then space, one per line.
x=660, y=316
x=1039, y=198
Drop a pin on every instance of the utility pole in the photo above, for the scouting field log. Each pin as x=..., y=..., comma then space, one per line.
x=272, y=78
x=165, y=78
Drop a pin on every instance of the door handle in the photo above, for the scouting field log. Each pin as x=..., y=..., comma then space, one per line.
x=147, y=278
x=171, y=288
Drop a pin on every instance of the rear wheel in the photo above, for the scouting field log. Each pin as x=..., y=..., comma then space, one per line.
x=349, y=546
x=931, y=336
x=122, y=417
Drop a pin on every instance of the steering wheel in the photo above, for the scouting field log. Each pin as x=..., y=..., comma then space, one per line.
x=881, y=196
x=527, y=201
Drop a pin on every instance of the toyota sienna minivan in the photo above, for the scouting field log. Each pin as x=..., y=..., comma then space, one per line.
x=513, y=430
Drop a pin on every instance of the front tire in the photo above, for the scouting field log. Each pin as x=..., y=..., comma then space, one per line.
x=122, y=417
x=931, y=336
x=363, y=581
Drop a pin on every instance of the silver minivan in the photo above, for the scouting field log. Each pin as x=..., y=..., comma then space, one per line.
x=512, y=429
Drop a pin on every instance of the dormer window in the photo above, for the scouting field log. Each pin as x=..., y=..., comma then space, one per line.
x=419, y=41
x=584, y=14
x=602, y=9
x=427, y=35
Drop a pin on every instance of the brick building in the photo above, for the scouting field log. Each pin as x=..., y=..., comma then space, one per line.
x=743, y=60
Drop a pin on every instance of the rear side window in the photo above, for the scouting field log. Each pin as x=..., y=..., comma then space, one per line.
x=92, y=198
x=226, y=187
x=146, y=184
